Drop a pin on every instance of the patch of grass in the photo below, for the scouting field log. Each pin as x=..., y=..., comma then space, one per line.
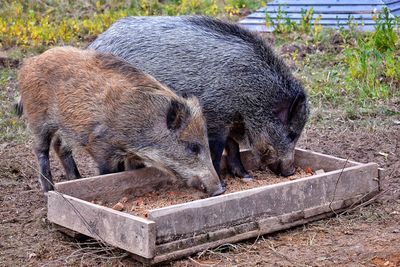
x=11, y=127
x=36, y=23
x=356, y=71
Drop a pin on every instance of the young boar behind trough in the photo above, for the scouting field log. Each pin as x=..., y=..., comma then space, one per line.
x=248, y=94
x=116, y=112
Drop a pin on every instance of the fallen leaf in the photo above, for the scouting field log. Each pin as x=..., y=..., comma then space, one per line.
x=308, y=170
x=119, y=206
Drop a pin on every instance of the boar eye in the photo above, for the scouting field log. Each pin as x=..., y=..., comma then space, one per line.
x=194, y=148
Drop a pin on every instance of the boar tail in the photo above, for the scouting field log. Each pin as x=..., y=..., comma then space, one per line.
x=18, y=108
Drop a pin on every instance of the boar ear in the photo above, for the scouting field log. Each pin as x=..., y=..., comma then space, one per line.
x=286, y=111
x=282, y=113
x=177, y=115
x=298, y=107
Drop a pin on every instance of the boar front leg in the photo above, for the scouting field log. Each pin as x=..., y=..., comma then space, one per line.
x=64, y=153
x=233, y=161
x=42, y=148
x=217, y=144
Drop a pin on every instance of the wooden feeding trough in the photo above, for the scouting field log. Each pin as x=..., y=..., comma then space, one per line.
x=180, y=230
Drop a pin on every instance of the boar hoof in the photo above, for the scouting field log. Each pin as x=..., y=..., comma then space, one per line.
x=220, y=191
x=247, y=178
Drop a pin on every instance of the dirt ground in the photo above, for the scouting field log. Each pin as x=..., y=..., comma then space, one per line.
x=364, y=236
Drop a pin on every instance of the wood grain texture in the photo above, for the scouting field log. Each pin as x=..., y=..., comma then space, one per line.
x=112, y=187
x=212, y=213
x=131, y=233
x=185, y=247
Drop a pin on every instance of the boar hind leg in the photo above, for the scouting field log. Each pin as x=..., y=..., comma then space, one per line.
x=64, y=153
x=107, y=163
x=42, y=148
x=233, y=161
x=133, y=163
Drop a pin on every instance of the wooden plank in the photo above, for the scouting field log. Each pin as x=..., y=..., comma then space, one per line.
x=325, y=2
x=272, y=200
x=131, y=233
x=189, y=246
x=264, y=225
x=303, y=158
x=112, y=187
x=306, y=158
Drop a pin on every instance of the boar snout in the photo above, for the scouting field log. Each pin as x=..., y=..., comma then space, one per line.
x=208, y=183
x=214, y=186
x=284, y=168
x=219, y=190
x=212, y=190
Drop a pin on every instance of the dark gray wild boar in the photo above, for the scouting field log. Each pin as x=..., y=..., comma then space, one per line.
x=117, y=113
x=248, y=94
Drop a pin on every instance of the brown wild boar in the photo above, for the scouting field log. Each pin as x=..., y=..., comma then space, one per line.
x=117, y=113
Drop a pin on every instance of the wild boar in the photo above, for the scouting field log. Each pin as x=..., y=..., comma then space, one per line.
x=117, y=113
x=248, y=94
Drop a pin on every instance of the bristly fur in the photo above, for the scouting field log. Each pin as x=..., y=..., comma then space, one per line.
x=117, y=112
x=247, y=92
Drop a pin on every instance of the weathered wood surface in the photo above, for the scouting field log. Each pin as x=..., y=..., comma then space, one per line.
x=197, y=243
x=273, y=200
x=131, y=233
x=112, y=187
x=184, y=229
x=305, y=158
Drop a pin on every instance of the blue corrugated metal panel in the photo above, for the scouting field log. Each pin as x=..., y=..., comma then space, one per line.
x=332, y=13
x=326, y=3
x=389, y=2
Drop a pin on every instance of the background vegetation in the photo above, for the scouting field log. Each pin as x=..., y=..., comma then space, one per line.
x=353, y=73
x=35, y=23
